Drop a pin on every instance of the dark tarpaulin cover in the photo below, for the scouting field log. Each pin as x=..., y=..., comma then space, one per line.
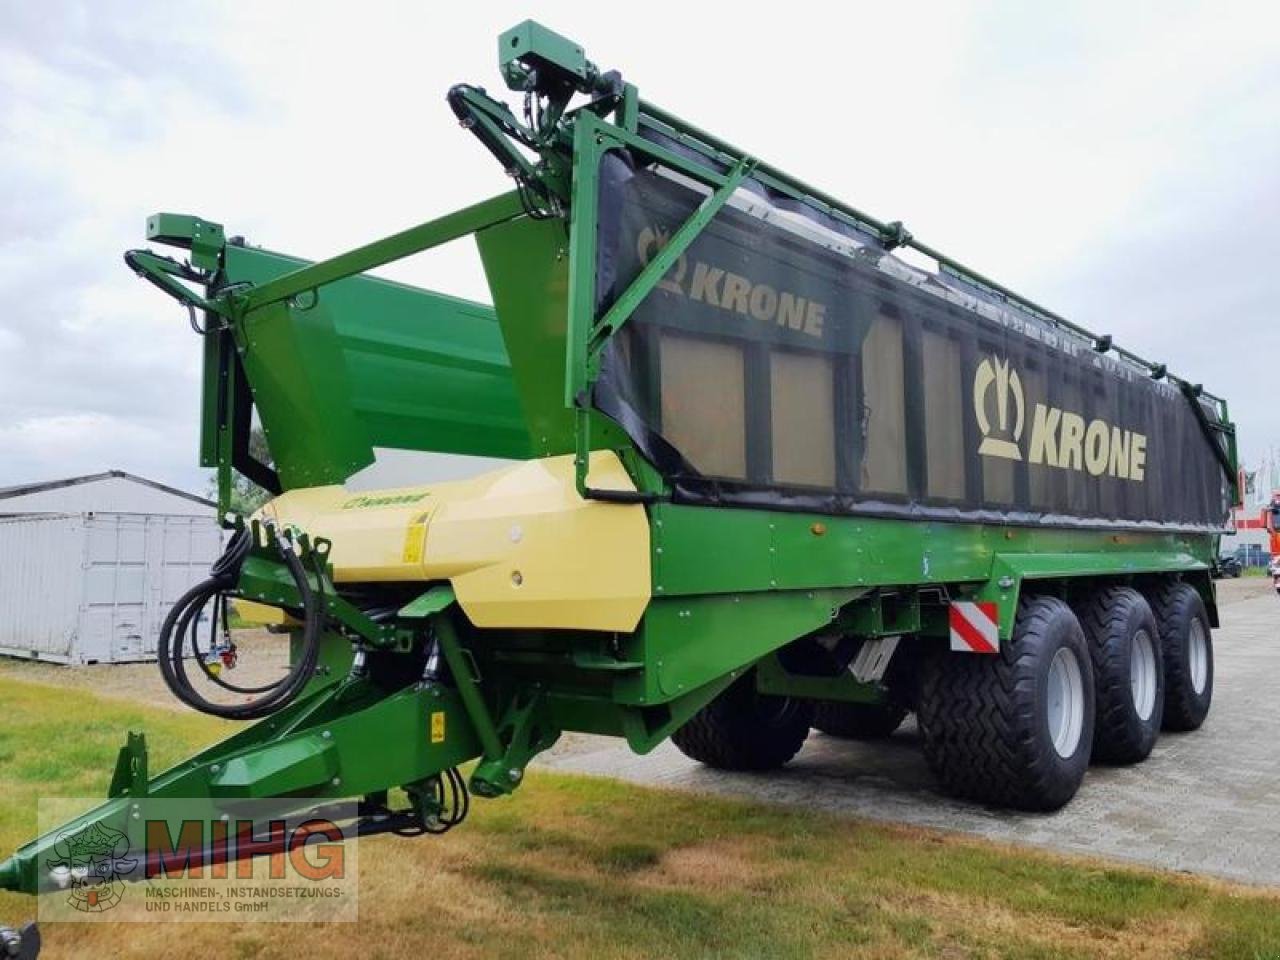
x=789, y=362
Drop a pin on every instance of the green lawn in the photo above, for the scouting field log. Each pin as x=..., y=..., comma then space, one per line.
x=580, y=867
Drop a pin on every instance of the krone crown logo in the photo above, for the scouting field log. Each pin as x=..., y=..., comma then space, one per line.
x=994, y=375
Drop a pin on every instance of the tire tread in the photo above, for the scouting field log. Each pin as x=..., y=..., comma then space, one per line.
x=1104, y=615
x=728, y=734
x=1174, y=602
x=975, y=711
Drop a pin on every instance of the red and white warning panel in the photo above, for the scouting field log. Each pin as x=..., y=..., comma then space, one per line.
x=975, y=627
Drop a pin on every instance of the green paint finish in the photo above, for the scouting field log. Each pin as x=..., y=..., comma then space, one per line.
x=1187, y=558
x=423, y=371
x=467, y=684
x=213, y=381
x=588, y=148
x=644, y=729
x=678, y=539
x=333, y=664
x=688, y=642
x=526, y=262
x=436, y=599
x=883, y=613
x=532, y=40
x=763, y=550
x=130, y=777
x=305, y=764
x=1118, y=562
x=298, y=376
x=203, y=238
x=433, y=233
x=342, y=732
x=622, y=309
x=525, y=730
x=773, y=679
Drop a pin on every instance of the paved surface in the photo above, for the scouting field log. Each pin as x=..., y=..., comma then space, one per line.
x=1206, y=802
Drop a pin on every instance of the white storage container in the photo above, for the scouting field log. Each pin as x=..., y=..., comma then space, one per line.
x=95, y=587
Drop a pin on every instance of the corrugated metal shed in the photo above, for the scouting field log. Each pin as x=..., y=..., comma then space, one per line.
x=113, y=491
x=89, y=567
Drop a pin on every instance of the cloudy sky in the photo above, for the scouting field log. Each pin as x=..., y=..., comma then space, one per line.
x=1119, y=163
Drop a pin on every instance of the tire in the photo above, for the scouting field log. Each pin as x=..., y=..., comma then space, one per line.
x=743, y=729
x=987, y=722
x=858, y=721
x=1128, y=674
x=1188, y=654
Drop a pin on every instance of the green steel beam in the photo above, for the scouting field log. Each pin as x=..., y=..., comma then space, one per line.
x=162, y=272
x=204, y=238
x=773, y=679
x=655, y=269
x=468, y=685
x=433, y=233
x=330, y=745
x=588, y=147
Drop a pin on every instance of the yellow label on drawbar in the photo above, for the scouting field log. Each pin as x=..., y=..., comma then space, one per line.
x=415, y=539
x=437, y=727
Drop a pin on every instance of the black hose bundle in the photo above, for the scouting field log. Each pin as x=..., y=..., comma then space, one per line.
x=181, y=626
x=436, y=806
x=449, y=791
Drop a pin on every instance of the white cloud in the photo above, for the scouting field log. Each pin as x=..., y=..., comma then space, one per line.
x=1117, y=164
x=71, y=445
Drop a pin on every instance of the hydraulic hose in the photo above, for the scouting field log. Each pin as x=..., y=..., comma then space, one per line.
x=180, y=630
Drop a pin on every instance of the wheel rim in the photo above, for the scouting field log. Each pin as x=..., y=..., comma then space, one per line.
x=1198, y=655
x=1066, y=702
x=1142, y=674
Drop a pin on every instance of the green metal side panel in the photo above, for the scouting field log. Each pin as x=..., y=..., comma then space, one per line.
x=1113, y=556
x=413, y=369
x=297, y=373
x=686, y=643
x=698, y=550
x=526, y=262
x=1045, y=566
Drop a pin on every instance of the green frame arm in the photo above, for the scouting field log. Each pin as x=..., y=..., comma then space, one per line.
x=433, y=233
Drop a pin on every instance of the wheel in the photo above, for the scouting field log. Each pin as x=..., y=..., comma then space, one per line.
x=743, y=729
x=1188, y=654
x=1128, y=674
x=1014, y=728
x=858, y=721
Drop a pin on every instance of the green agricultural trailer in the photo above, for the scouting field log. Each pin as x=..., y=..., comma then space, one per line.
x=768, y=474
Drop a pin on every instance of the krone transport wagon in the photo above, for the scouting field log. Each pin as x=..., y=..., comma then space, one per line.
x=770, y=476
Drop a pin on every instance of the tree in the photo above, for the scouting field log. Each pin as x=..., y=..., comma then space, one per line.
x=246, y=496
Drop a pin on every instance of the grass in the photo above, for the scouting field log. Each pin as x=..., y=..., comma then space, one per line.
x=582, y=867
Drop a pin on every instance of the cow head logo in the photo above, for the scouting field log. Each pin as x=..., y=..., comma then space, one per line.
x=89, y=864
x=1000, y=435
